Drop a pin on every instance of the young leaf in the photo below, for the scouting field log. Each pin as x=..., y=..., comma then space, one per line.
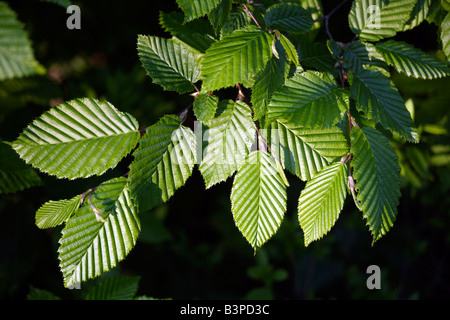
x=162, y=163
x=309, y=99
x=258, y=198
x=322, y=200
x=16, y=54
x=373, y=20
x=411, y=61
x=377, y=179
x=197, y=8
x=304, y=152
x=78, y=139
x=235, y=58
x=288, y=17
x=168, y=63
x=291, y=52
x=377, y=97
x=205, y=106
x=229, y=138
x=54, y=213
x=88, y=247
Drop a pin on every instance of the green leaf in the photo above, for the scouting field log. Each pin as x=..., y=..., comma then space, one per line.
x=115, y=288
x=15, y=174
x=238, y=19
x=205, y=106
x=78, y=139
x=16, y=53
x=445, y=35
x=268, y=81
x=322, y=200
x=229, y=138
x=168, y=63
x=362, y=55
x=377, y=97
x=55, y=213
x=235, y=58
x=258, y=199
x=288, y=17
x=309, y=99
x=377, y=179
x=373, y=20
x=304, y=152
x=162, y=163
x=88, y=247
x=315, y=55
x=291, y=52
x=197, y=8
x=412, y=61
x=220, y=15
x=418, y=14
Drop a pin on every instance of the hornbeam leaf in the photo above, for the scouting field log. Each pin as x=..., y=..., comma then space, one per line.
x=377, y=179
x=419, y=13
x=373, y=20
x=309, y=99
x=88, y=247
x=235, y=58
x=54, y=213
x=377, y=97
x=289, y=17
x=258, y=198
x=78, y=139
x=162, y=163
x=115, y=288
x=412, y=61
x=16, y=54
x=322, y=200
x=304, y=152
x=229, y=138
x=196, y=9
x=205, y=106
x=445, y=35
x=361, y=55
x=168, y=63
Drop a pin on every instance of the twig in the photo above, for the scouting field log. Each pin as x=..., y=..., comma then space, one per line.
x=327, y=18
x=251, y=15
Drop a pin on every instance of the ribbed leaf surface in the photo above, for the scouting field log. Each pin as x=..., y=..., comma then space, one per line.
x=78, y=139
x=377, y=179
x=219, y=15
x=373, y=20
x=162, y=163
x=16, y=54
x=258, y=199
x=168, y=63
x=304, y=152
x=205, y=106
x=378, y=98
x=361, y=55
x=239, y=18
x=88, y=247
x=235, y=58
x=228, y=140
x=115, y=288
x=288, y=17
x=198, y=8
x=309, y=99
x=445, y=35
x=420, y=12
x=54, y=213
x=322, y=200
x=412, y=61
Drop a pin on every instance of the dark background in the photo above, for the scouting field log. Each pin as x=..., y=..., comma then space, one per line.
x=190, y=248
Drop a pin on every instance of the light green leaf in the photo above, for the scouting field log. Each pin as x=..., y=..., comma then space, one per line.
x=88, y=247
x=304, y=152
x=418, y=14
x=162, y=163
x=377, y=97
x=228, y=138
x=309, y=99
x=168, y=63
x=412, y=61
x=288, y=17
x=291, y=52
x=55, y=213
x=373, y=20
x=235, y=58
x=322, y=200
x=258, y=198
x=196, y=9
x=205, y=106
x=16, y=53
x=115, y=288
x=15, y=174
x=445, y=35
x=78, y=139
x=377, y=179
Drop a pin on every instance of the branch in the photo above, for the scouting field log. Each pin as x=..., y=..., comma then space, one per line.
x=327, y=17
x=251, y=15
